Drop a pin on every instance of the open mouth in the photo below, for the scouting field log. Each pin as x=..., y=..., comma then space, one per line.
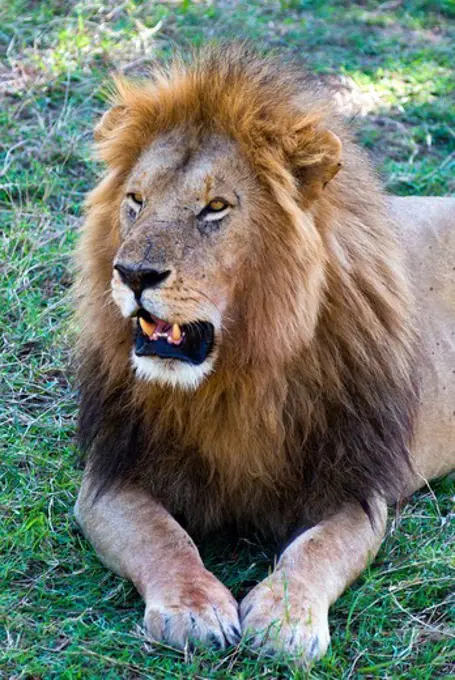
x=191, y=343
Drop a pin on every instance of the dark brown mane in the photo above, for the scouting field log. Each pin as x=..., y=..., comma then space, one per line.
x=324, y=416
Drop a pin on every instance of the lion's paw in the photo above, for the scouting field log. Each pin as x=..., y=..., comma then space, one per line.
x=278, y=617
x=192, y=608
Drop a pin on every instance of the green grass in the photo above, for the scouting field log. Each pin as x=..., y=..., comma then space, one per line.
x=62, y=613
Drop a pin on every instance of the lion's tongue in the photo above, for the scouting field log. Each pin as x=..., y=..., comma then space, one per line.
x=162, y=326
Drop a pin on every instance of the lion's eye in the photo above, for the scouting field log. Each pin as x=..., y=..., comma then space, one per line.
x=215, y=210
x=217, y=205
x=135, y=198
x=135, y=202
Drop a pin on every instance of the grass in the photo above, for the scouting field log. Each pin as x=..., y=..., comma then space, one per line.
x=62, y=613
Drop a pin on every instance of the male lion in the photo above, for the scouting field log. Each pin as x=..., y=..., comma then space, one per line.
x=248, y=353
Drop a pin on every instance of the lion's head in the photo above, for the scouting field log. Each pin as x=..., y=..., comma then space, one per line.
x=238, y=246
x=213, y=177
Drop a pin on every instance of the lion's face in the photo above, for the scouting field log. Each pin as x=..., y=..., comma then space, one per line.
x=184, y=236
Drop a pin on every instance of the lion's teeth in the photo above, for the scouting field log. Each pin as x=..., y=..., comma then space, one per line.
x=148, y=328
x=176, y=332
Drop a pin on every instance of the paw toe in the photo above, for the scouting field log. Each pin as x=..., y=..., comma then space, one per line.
x=216, y=626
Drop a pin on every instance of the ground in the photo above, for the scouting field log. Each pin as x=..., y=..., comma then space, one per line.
x=62, y=613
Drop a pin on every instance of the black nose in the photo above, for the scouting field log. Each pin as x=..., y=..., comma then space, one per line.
x=139, y=278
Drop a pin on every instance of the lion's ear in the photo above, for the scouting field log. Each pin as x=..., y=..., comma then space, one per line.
x=108, y=122
x=318, y=162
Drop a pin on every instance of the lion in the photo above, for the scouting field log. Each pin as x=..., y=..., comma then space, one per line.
x=267, y=344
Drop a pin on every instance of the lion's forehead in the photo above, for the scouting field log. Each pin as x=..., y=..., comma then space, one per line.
x=188, y=163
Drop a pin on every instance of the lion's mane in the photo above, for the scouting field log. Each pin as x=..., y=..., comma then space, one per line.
x=318, y=412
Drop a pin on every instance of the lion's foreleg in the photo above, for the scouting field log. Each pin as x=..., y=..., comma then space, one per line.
x=288, y=611
x=139, y=540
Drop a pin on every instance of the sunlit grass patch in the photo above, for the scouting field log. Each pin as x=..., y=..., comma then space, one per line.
x=417, y=83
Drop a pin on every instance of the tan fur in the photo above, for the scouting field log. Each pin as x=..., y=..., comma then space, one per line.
x=139, y=540
x=426, y=228
x=308, y=404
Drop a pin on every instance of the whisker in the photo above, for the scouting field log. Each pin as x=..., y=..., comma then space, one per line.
x=202, y=294
x=222, y=322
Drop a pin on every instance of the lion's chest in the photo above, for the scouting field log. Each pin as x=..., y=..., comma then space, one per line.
x=240, y=485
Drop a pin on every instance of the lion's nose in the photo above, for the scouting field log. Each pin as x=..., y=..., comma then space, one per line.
x=140, y=278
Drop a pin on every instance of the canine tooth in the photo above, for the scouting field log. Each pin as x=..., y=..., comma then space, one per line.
x=176, y=332
x=148, y=328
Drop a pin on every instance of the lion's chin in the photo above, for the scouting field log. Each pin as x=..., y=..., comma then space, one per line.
x=171, y=372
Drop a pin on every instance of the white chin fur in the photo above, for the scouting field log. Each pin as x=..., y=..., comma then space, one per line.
x=172, y=373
